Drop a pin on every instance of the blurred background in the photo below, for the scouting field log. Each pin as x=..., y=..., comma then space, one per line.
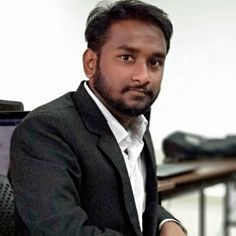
x=41, y=46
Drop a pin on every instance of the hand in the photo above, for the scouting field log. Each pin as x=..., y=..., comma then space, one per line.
x=171, y=228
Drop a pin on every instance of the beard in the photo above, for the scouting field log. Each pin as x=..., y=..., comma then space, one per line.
x=118, y=105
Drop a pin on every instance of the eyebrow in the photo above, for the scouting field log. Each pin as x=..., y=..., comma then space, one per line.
x=129, y=49
x=134, y=50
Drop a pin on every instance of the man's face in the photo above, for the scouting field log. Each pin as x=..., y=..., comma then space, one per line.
x=129, y=69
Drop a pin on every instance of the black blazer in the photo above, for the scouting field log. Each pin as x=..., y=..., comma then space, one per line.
x=69, y=176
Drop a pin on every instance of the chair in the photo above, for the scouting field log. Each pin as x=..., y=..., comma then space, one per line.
x=7, y=214
x=7, y=219
x=7, y=105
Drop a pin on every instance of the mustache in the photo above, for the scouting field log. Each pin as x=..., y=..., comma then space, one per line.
x=139, y=88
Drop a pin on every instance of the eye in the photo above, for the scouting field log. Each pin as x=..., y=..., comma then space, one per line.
x=126, y=57
x=155, y=62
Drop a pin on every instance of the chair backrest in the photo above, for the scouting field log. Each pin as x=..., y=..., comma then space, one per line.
x=7, y=219
x=7, y=105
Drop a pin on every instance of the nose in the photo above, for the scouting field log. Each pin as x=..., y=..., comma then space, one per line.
x=140, y=73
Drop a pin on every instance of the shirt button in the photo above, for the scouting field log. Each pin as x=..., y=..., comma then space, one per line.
x=128, y=139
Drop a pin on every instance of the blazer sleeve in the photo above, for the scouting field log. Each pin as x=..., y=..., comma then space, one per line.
x=44, y=173
x=165, y=215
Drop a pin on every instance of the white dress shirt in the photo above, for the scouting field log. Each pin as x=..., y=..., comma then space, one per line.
x=131, y=145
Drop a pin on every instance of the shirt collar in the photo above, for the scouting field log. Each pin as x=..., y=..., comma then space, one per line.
x=138, y=127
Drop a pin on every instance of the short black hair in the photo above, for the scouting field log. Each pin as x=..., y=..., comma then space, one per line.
x=104, y=15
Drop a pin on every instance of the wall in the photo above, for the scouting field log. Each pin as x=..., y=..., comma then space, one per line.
x=41, y=44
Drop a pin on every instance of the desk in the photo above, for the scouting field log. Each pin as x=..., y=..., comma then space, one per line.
x=208, y=173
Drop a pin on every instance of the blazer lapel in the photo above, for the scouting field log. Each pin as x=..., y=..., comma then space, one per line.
x=96, y=123
x=150, y=214
x=111, y=149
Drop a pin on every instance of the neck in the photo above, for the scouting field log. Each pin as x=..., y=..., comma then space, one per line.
x=124, y=120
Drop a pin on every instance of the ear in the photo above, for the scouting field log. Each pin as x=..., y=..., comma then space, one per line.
x=89, y=62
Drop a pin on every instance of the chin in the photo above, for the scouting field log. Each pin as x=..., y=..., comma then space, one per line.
x=134, y=111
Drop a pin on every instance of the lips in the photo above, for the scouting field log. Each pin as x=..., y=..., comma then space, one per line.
x=138, y=91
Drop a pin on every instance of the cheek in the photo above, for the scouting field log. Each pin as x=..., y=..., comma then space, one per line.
x=114, y=79
x=156, y=81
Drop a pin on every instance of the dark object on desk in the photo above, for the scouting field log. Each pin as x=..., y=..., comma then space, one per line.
x=6, y=105
x=7, y=220
x=167, y=170
x=186, y=146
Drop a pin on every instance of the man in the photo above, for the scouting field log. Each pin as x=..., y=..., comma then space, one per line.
x=84, y=164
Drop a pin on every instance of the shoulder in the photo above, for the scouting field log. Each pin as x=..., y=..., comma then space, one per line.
x=58, y=116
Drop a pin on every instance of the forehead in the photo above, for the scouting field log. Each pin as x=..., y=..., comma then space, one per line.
x=136, y=34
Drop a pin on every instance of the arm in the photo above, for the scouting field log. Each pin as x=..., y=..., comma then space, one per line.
x=171, y=228
x=46, y=176
x=168, y=225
